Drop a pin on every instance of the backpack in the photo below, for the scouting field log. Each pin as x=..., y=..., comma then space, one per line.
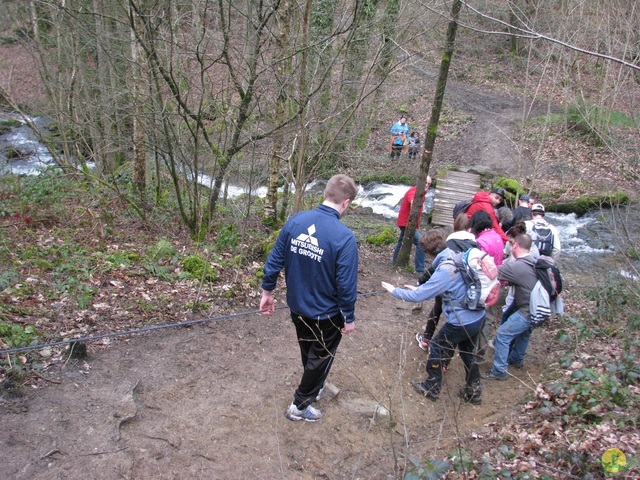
x=461, y=207
x=545, y=299
x=544, y=240
x=480, y=275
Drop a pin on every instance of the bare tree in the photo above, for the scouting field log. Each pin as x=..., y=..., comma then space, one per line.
x=430, y=140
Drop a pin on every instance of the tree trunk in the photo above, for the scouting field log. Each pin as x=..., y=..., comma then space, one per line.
x=282, y=70
x=139, y=149
x=430, y=140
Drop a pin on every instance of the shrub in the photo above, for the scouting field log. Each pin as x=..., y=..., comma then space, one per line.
x=161, y=251
x=17, y=336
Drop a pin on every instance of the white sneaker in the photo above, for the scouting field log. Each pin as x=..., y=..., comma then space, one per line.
x=417, y=307
x=319, y=396
x=309, y=414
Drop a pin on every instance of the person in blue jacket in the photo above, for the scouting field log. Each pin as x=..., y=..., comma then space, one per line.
x=319, y=255
x=462, y=325
x=399, y=132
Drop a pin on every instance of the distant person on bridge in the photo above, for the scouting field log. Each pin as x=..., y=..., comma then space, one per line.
x=399, y=132
x=403, y=218
x=319, y=255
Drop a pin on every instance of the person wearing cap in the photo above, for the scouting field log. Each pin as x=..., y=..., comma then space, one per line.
x=521, y=212
x=544, y=235
x=489, y=201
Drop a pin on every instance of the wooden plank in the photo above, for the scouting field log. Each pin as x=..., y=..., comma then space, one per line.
x=454, y=187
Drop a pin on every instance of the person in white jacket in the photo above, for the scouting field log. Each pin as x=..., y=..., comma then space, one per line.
x=545, y=236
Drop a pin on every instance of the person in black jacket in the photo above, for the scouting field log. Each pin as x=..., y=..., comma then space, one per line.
x=319, y=255
x=521, y=212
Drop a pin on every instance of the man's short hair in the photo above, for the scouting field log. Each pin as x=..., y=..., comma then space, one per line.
x=433, y=241
x=524, y=241
x=504, y=214
x=340, y=188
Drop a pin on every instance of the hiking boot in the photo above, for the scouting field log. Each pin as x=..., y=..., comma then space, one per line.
x=425, y=391
x=417, y=307
x=423, y=342
x=493, y=376
x=471, y=395
x=518, y=365
x=309, y=414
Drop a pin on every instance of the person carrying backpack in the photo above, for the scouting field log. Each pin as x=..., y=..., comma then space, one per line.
x=460, y=330
x=512, y=337
x=545, y=235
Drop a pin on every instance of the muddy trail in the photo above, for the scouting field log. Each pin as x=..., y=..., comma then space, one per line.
x=208, y=401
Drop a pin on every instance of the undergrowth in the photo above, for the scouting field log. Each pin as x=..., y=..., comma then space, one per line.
x=588, y=405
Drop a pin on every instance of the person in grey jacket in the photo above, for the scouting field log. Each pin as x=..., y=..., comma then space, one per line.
x=460, y=330
x=521, y=275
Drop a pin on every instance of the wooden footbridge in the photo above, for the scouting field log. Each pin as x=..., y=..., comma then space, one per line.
x=454, y=187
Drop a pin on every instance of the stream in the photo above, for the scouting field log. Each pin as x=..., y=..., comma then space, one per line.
x=588, y=235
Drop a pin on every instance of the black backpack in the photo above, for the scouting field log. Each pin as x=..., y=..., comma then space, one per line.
x=461, y=207
x=549, y=275
x=544, y=240
x=549, y=285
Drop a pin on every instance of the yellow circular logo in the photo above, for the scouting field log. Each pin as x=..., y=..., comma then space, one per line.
x=613, y=460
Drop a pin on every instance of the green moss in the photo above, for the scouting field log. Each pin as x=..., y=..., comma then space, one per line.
x=386, y=236
x=7, y=125
x=199, y=269
x=585, y=204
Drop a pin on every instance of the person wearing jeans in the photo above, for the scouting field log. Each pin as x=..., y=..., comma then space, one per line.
x=512, y=337
x=403, y=218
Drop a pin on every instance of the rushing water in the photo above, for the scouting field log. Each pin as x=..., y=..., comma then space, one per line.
x=34, y=156
x=577, y=234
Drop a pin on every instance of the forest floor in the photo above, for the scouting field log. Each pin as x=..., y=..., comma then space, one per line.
x=208, y=400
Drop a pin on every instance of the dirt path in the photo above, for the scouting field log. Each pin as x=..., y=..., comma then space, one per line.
x=489, y=140
x=208, y=402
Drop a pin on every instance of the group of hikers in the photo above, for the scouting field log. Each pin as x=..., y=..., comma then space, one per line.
x=513, y=258
x=468, y=268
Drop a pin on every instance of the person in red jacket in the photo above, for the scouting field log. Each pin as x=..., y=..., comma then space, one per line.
x=487, y=201
x=403, y=217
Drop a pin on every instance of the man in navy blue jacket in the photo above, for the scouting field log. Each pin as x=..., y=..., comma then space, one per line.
x=319, y=255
